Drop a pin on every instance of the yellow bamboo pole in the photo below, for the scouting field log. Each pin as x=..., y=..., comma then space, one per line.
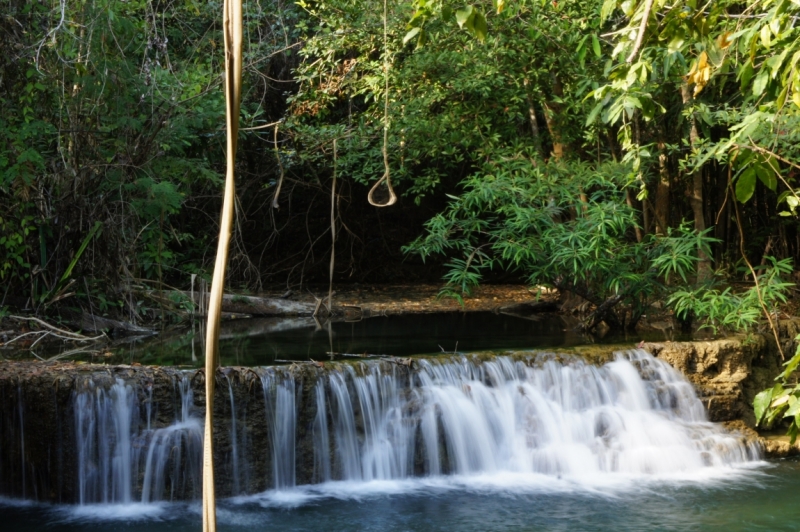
x=232, y=30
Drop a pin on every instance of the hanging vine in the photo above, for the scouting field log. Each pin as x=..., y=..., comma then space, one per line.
x=386, y=168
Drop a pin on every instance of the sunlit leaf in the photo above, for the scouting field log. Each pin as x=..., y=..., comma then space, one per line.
x=760, y=82
x=761, y=403
x=413, y=32
x=463, y=15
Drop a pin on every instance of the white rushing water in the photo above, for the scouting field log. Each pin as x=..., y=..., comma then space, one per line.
x=113, y=453
x=634, y=416
x=505, y=422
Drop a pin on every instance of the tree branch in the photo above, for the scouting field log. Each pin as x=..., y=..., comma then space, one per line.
x=640, y=35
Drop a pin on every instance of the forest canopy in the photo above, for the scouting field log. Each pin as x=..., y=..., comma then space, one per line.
x=629, y=152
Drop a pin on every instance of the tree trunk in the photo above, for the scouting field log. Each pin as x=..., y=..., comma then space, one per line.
x=629, y=201
x=662, y=192
x=552, y=110
x=695, y=192
x=537, y=139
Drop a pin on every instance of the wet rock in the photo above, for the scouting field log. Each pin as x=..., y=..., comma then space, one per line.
x=727, y=373
x=779, y=447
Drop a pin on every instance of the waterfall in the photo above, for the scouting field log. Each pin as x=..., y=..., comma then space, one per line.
x=20, y=402
x=635, y=415
x=527, y=414
x=234, y=440
x=174, y=453
x=322, y=445
x=103, y=422
x=113, y=454
x=281, y=414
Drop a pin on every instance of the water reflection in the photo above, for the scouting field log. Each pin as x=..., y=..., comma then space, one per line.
x=267, y=341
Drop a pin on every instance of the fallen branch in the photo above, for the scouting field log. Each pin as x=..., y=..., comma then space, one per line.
x=77, y=350
x=51, y=330
x=22, y=336
x=72, y=335
x=354, y=355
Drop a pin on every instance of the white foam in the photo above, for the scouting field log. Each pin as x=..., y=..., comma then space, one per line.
x=504, y=483
x=118, y=512
x=20, y=503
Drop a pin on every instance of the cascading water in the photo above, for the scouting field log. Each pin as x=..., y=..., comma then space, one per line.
x=113, y=454
x=103, y=423
x=281, y=414
x=635, y=415
x=22, y=437
x=377, y=421
x=173, y=453
x=234, y=440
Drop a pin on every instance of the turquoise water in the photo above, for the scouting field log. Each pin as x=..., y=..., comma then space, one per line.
x=762, y=498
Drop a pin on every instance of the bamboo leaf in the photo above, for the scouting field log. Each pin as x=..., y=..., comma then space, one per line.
x=596, y=45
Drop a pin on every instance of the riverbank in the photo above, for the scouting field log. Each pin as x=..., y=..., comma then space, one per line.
x=348, y=302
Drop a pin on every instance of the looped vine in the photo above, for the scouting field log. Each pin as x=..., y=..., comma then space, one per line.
x=386, y=168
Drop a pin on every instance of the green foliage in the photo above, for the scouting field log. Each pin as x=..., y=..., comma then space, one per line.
x=782, y=401
x=724, y=309
x=14, y=248
x=115, y=116
x=701, y=50
x=535, y=219
x=455, y=102
x=112, y=113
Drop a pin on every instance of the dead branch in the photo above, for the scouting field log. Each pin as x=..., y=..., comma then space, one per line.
x=70, y=334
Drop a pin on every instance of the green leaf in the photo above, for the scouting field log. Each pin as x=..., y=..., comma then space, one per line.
x=481, y=29
x=463, y=15
x=794, y=407
x=595, y=112
x=781, y=99
x=766, y=36
x=767, y=176
x=608, y=7
x=745, y=75
x=596, y=45
x=791, y=366
x=760, y=404
x=746, y=185
x=761, y=82
x=410, y=35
